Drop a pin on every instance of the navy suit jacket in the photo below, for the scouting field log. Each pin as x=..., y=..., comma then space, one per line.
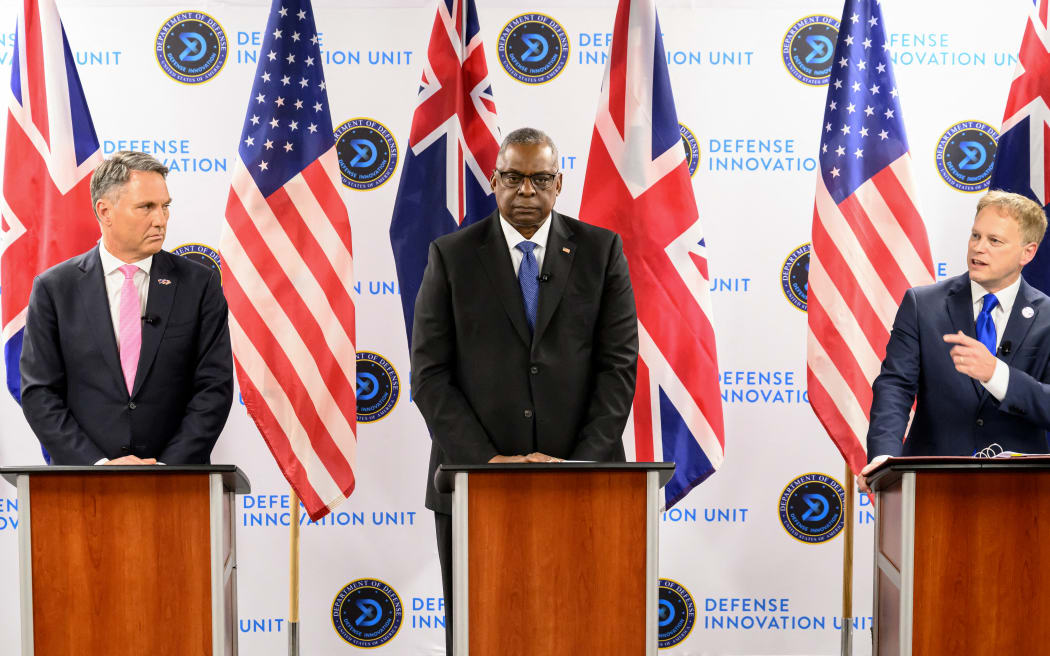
x=954, y=415
x=485, y=386
x=73, y=389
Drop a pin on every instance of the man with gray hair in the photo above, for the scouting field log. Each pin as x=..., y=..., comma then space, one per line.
x=126, y=357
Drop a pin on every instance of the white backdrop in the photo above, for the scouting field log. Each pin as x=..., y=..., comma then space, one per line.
x=724, y=543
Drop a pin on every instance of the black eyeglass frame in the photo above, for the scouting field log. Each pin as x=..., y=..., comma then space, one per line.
x=532, y=179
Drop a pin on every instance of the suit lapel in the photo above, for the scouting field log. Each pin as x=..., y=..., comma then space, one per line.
x=557, y=264
x=496, y=260
x=95, y=304
x=1018, y=325
x=158, y=307
x=960, y=311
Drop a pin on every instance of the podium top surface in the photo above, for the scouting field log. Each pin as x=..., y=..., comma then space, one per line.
x=444, y=477
x=232, y=477
x=891, y=470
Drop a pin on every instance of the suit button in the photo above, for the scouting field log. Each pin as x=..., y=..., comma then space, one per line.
x=125, y=449
x=980, y=422
x=131, y=405
x=534, y=369
x=528, y=414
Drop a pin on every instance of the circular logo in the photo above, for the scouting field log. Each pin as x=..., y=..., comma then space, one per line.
x=692, y=148
x=675, y=615
x=367, y=153
x=377, y=387
x=794, y=277
x=966, y=153
x=191, y=47
x=811, y=508
x=808, y=49
x=367, y=613
x=533, y=48
x=200, y=254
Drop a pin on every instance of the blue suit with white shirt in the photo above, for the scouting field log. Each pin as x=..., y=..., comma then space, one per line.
x=954, y=413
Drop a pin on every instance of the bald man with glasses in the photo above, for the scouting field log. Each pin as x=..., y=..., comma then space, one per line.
x=525, y=339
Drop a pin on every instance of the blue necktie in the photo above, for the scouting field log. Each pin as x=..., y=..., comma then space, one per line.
x=985, y=325
x=530, y=287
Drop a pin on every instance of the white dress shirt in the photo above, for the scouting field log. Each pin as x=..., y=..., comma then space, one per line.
x=115, y=282
x=1000, y=379
x=514, y=238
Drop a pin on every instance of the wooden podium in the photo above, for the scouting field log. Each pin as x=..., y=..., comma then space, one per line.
x=122, y=560
x=962, y=556
x=556, y=559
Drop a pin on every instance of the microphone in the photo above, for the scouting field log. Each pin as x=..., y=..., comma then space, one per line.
x=150, y=319
x=1005, y=347
x=543, y=277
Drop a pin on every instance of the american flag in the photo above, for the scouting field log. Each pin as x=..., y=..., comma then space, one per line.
x=452, y=147
x=869, y=242
x=1021, y=158
x=51, y=151
x=289, y=268
x=637, y=184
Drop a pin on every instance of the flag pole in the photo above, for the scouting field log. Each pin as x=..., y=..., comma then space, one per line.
x=847, y=568
x=293, y=578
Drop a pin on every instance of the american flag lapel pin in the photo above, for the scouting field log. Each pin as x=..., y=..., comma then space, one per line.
x=565, y=249
x=163, y=281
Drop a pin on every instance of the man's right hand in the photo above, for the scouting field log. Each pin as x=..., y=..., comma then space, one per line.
x=862, y=480
x=131, y=460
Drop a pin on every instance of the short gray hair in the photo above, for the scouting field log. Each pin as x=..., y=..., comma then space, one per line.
x=115, y=171
x=530, y=136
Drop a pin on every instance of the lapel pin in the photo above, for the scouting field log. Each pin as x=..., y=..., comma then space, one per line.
x=565, y=249
x=1027, y=312
x=165, y=281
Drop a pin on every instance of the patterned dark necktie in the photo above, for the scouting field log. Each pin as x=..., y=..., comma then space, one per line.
x=528, y=273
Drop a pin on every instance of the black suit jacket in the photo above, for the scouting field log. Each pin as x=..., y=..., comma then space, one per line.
x=954, y=414
x=486, y=387
x=73, y=390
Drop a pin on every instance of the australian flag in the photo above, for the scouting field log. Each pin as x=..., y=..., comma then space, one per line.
x=1021, y=159
x=452, y=147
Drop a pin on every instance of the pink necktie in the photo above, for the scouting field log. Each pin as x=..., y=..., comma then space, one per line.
x=130, y=327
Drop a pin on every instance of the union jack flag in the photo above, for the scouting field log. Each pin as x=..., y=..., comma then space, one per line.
x=637, y=184
x=452, y=147
x=51, y=151
x=288, y=264
x=869, y=241
x=1021, y=161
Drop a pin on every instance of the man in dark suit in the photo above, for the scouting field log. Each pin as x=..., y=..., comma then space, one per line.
x=126, y=358
x=525, y=339
x=973, y=350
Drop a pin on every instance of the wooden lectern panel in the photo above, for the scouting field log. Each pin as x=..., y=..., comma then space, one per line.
x=135, y=578
x=982, y=562
x=577, y=568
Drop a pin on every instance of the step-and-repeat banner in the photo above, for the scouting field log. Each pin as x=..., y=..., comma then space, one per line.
x=742, y=573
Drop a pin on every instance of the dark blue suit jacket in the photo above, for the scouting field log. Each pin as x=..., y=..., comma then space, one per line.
x=73, y=390
x=954, y=414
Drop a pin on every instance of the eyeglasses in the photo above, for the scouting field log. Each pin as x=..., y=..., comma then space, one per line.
x=513, y=179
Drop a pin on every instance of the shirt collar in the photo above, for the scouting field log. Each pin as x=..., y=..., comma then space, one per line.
x=111, y=263
x=514, y=237
x=1006, y=295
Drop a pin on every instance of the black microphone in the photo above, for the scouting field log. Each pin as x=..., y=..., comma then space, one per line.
x=150, y=319
x=543, y=277
x=1005, y=347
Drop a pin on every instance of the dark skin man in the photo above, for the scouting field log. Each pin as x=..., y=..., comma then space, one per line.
x=526, y=207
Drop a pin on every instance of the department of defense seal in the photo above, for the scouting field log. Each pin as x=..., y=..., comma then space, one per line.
x=367, y=613
x=533, y=48
x=966, y=154
x=811, y=508
x=794, y=277
x=378, y=387
x=692, y=148
x=675, y=614
x=808, y=49
x=367, y=153
x=191, y=47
